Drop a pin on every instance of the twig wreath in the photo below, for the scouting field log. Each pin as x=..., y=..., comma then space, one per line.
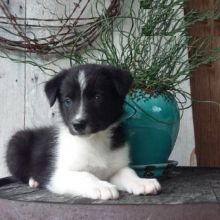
x=72, y=30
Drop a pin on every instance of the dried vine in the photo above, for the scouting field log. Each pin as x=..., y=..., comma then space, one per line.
x=73, y=30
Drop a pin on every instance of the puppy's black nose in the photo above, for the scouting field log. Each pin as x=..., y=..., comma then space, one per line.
x=79, y=125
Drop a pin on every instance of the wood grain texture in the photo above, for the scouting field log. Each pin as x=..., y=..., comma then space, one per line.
x=12, y=104
x=184, y=186
x=11, y=92
x=205, y=85
x=35, y=211
x=37, y=110
x=191, y=193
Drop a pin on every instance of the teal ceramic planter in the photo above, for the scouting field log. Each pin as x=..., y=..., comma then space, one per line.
x=151, y=127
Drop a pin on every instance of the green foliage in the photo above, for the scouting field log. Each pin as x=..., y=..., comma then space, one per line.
x=151, y=41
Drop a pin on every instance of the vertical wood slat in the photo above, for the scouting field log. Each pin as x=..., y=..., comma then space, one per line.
x=38, y=112
x=12, y=76
x=205, y=85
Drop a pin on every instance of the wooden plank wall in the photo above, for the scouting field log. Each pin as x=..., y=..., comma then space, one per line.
x=205, y=85
x=22, y=100
x=12, y=90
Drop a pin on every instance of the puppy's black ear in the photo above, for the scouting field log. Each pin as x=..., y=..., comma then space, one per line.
x=52, y=87
x=122, y=80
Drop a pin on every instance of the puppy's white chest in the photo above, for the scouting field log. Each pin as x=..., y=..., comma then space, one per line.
x=91, y=154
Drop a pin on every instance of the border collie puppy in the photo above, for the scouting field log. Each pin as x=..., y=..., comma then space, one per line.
x=87, y=155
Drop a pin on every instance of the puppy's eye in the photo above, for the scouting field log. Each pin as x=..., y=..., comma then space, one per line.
x=98, y=98
x=67, y=102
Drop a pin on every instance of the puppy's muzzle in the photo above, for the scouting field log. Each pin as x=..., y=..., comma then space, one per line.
x=79, y=125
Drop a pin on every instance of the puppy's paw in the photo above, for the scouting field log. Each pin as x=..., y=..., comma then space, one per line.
x=103, y=190
x=144, y=187
x=33, y=183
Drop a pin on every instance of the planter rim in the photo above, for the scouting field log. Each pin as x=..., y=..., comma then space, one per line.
x=157, y=165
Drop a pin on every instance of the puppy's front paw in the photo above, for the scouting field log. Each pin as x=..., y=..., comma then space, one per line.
x=103, y=190
x=144, y=187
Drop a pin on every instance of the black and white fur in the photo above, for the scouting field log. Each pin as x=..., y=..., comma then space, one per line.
x=87, y=155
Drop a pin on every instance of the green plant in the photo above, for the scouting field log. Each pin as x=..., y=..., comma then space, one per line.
x=152, y=42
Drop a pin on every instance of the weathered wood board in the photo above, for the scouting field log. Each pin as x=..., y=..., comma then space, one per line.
x=12, y=92
x=184, y=186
